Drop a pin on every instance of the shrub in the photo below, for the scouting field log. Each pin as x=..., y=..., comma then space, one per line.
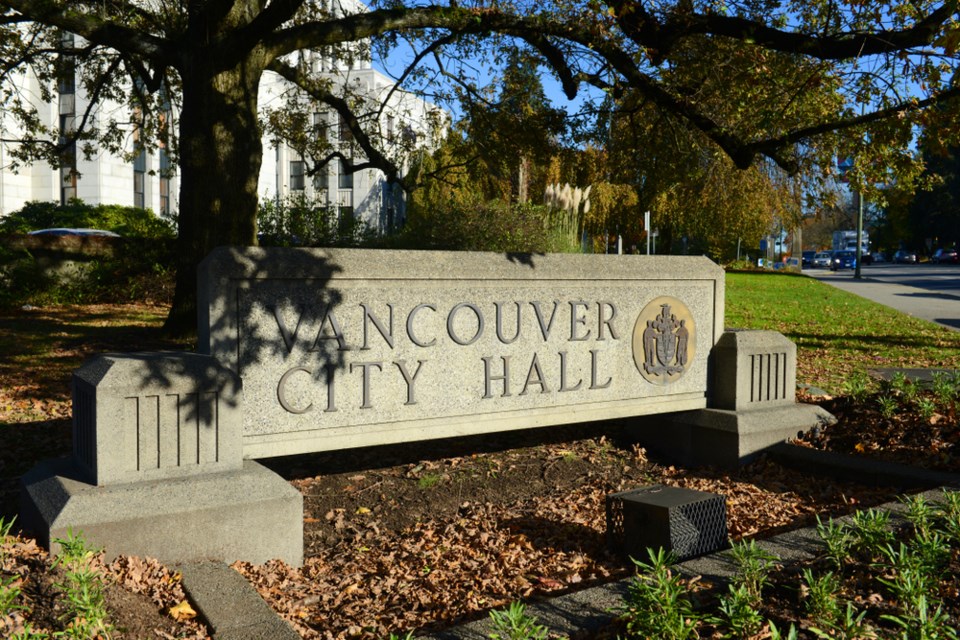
x=300, y=221
x=481, y=226
x=129, y=222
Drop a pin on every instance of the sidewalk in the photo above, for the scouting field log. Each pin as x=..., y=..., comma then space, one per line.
x=942, y=308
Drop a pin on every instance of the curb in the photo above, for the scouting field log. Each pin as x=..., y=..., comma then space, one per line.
x=230, y=605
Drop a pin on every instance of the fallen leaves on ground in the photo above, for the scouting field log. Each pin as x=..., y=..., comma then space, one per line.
x=436, y=572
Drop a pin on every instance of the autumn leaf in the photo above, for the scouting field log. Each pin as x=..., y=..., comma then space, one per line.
x=182, y=612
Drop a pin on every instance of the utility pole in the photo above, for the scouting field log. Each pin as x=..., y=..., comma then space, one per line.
x=856, y=270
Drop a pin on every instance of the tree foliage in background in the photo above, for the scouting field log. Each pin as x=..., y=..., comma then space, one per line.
x=207, y=57
x=934, y=212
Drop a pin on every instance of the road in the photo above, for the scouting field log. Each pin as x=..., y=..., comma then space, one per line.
x=927, y=291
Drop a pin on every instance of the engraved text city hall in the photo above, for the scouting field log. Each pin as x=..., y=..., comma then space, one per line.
x=563, y=348
x=464, y=324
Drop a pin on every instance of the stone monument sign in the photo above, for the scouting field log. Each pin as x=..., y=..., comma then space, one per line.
x=344, y=348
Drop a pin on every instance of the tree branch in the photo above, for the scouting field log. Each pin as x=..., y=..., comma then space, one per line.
x=374, y=156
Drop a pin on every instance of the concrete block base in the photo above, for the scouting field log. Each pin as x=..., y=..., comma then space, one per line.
x=248, y=514
x=725, y=438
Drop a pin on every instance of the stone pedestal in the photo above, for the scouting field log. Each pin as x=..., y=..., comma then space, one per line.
x=157, y=468
x=752, y=405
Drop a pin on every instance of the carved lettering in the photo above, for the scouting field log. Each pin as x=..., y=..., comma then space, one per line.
x=516, y=334
x=606, y=321
x=534, y=376
x=451, y=321
x=365, y=376
x=336, y=333
x=410, y=334
x=578, y=321
x=488, y=376
x=409, y=379
x=593, y=372
x=563, y=374
x=369, y=318
x=288, y=338
x=282, y=395
x=545, y=328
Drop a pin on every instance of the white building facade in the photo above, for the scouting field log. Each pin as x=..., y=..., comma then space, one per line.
x=132, y=178
x=148, y=179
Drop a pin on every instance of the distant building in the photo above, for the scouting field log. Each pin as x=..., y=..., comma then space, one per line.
x=149, y=179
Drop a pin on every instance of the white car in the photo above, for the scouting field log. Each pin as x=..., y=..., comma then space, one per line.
x=822, y=260
x=63, y=231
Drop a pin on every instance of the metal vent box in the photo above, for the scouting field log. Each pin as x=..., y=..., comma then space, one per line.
x=689, y=523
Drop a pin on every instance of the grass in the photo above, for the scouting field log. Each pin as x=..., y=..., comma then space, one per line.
x=837, y=333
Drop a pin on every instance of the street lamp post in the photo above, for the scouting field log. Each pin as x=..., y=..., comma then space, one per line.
x=856, y=270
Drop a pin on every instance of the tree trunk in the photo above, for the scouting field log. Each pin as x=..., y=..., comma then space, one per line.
x=523, y=179
x=220, y=159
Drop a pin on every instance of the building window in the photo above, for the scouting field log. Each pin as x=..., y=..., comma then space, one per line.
x=319, y=127
x=296, y=175
x=345, y=218
x=164, y=182
x=140, y=180
x=346, y=178
x=346, y=135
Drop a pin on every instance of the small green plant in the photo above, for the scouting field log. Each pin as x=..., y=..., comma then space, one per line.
x=914, y=571
x=657, y=605
x=754, y=565
x=5, y=528
x=83, y=589
x=513, y=623
x=407, y=636
x=926, y=407
x=920, y=513
x=950, y=514
x=822, y=598
x=9, y=595
x=922, y=624
x=871, y=531
x=73, y=549
x=28, y=633
x=944, y=387
x=849, y=627
x=902, y=386
x=429, y=480
x=838, y=539
x=887, y=405
x=739, y=613
x=776, y=634
x=857, y=386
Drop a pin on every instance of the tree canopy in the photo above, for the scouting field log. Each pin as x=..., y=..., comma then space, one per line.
x=889, y=63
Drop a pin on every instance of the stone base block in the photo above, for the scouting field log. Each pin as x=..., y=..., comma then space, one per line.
x=725, y=438
x=248, y=514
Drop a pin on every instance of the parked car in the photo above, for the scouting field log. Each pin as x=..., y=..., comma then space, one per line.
x=822, y=260
x=806, y=258
x=878, y=257
x=63, y=231
x=843, y=260
x=945, y=256
x=905, y=257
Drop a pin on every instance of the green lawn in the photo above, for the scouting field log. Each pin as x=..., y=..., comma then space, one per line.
x=836, y=332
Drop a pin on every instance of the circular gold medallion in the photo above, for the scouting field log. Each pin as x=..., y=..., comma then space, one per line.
x=664, y=340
